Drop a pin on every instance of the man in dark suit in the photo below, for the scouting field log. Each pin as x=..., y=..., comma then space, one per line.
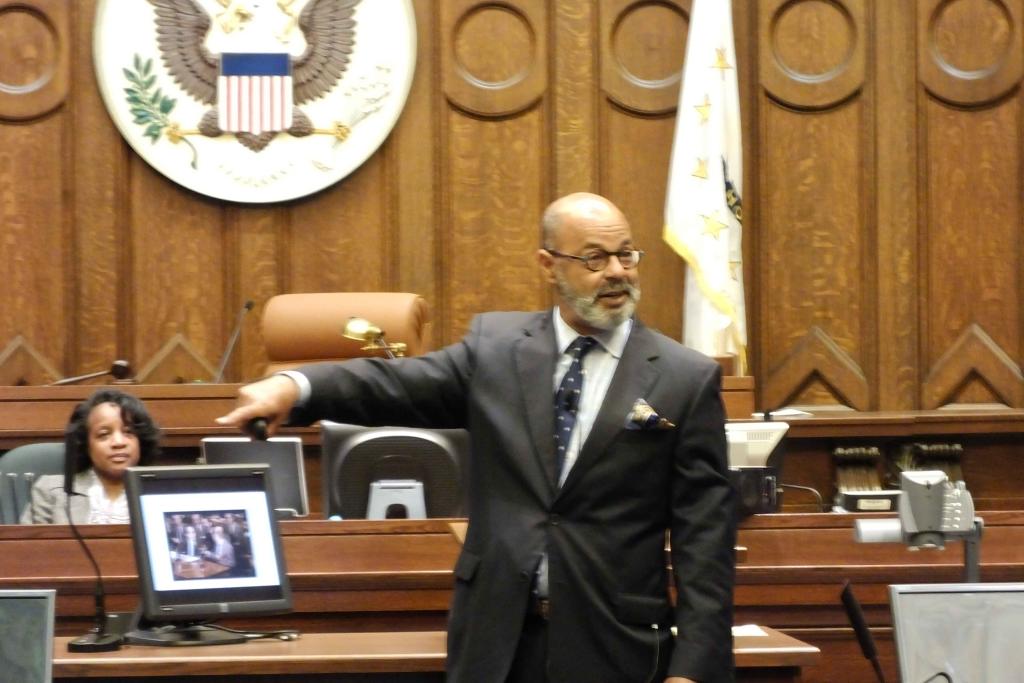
x=562, y=577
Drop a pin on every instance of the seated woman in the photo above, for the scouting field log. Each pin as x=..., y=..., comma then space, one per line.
x=108, y=433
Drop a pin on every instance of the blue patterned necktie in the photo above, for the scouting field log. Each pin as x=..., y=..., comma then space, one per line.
x=567, y=400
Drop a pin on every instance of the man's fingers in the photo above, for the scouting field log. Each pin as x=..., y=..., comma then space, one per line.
x=271, y=399
x=237, y=417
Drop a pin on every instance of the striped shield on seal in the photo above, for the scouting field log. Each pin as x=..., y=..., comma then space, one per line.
x=254, y=92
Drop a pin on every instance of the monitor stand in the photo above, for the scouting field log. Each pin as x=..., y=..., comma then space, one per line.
x=145, y=632
x=390, y=495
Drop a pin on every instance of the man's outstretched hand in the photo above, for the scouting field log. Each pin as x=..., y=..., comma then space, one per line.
x=271, y=398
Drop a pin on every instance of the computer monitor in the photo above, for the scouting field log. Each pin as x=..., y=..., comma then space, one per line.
x=755, y=464
x=392, y=472
x=284, y=456
x=206, y=546
x=958, y=632
x=754, y=444
x=26, y=635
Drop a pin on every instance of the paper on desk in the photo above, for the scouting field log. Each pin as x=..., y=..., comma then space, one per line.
x=748, y=630
x=783, y=413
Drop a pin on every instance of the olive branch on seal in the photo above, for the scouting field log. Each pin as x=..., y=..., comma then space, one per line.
x=151, y=107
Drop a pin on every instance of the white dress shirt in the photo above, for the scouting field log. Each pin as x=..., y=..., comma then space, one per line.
x=599, y=365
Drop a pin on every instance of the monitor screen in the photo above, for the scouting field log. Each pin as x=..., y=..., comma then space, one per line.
x=26, y=635
x=284, y=456
x=382, y=472
x=206, y=543
x=959, y=632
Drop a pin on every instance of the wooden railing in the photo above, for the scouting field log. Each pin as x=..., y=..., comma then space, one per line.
x=186, y=414
x=397, y=575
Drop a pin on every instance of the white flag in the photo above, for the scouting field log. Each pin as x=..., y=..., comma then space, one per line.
x=703, y=213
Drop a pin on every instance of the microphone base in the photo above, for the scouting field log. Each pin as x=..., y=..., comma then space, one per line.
x=112, y=639
x=96, y=642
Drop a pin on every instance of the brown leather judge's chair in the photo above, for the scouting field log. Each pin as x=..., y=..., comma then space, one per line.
x=306, y=328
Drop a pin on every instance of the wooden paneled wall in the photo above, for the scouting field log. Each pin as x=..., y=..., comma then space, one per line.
x=883, y=185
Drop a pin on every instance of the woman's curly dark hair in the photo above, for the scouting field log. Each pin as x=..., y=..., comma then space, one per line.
x=76, y=434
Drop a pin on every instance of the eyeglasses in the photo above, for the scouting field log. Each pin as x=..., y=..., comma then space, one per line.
x=597, y=261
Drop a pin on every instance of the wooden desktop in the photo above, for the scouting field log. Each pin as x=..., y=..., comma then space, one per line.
x=384, y=656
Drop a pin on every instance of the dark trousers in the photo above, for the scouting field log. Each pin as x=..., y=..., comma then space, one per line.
x=530, y=661
x=529, y=664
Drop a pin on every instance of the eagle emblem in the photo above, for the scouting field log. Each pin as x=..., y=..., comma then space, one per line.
x=265, y=77
x=256, y=94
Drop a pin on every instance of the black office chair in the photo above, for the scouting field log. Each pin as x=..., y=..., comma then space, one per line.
x=380, y=472
x=19, y=469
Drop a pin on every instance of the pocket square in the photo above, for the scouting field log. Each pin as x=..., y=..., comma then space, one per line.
x=643, y=416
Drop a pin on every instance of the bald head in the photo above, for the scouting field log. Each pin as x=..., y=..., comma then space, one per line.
x=593, y=209
x=587, y=241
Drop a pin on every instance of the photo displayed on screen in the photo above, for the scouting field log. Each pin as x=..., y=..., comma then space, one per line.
x=205, y=545
x=217, y=540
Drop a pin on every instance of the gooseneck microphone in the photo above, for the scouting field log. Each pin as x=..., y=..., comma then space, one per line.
x=120, y=369
x=99, y=639
x=246, y=307
x=860, y=628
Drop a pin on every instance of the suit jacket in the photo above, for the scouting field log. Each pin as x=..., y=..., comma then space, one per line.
x=222, y=552
x=182, y=547
x=604, y=530
x=48, y=504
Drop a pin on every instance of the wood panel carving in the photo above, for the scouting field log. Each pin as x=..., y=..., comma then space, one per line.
x=818, y=359
x=896, y=230
x=974, y=358
x=575, y=105
x=33, y=57
x=495, y=175
x=99, y=313
x=21, y=364
x=883, y=161
x=969, y=52
x=495, y=55
x=493, y=65
x=642, y=50
x=184, y=255
x=176, y=363
x=970, y=57
x=633, y=164
x=36, y=241
x=812, y=240
x=815, y=52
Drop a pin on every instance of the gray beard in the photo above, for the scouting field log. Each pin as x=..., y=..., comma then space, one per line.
x=592, y=313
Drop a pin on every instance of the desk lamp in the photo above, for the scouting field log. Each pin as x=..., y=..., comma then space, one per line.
x=363, y=330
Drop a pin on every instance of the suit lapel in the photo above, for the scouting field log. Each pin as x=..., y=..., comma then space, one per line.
x=535, y=366
x=80, y=503
x=633, y=377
